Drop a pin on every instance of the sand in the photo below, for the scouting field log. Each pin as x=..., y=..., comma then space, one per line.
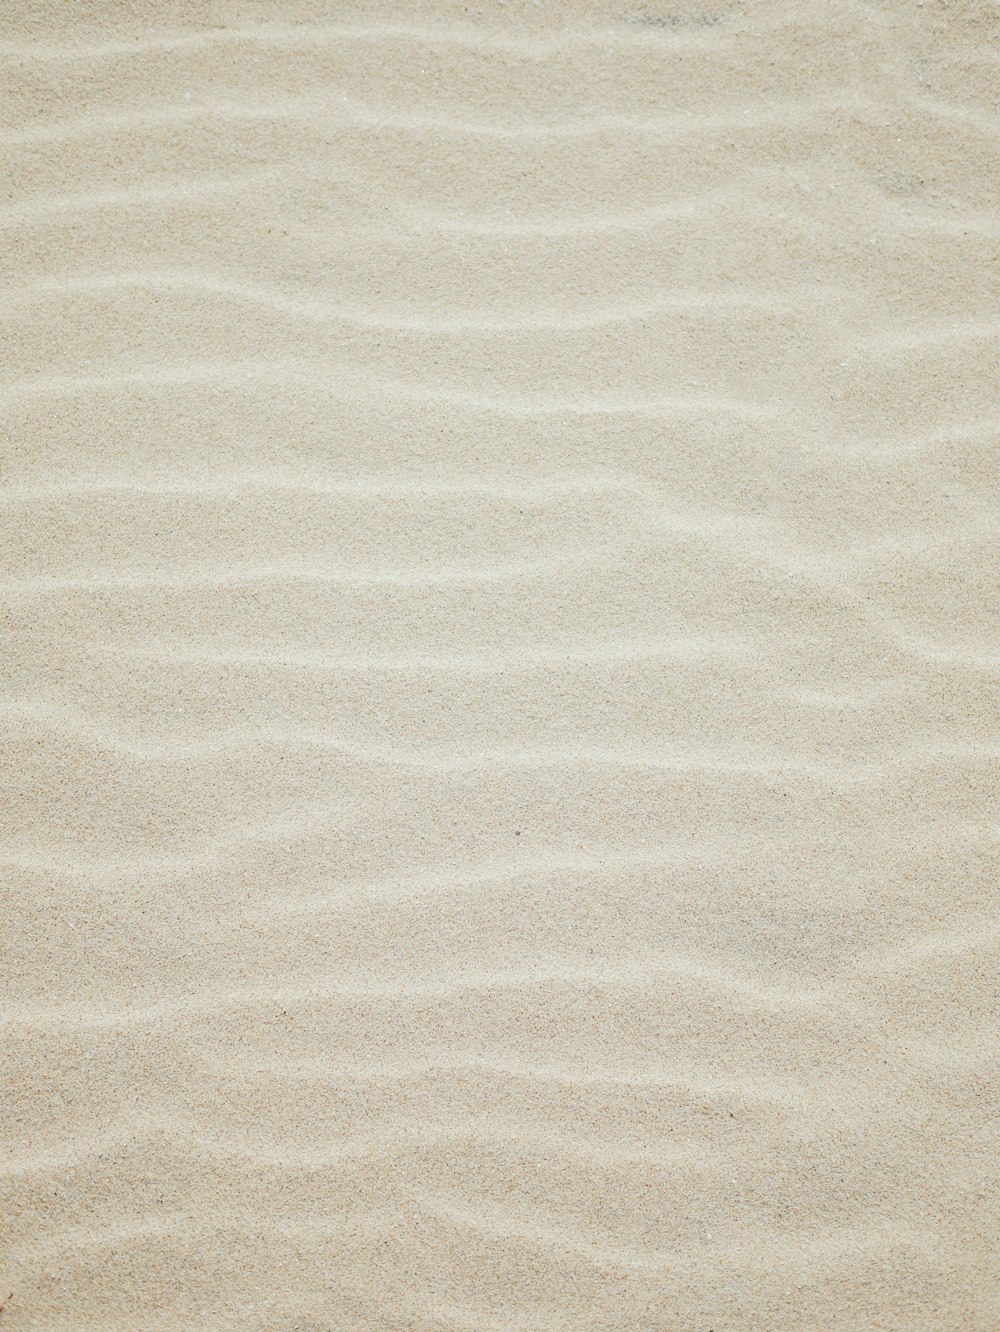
x=499, y=604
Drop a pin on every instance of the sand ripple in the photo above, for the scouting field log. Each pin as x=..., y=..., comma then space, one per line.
x=500, y=585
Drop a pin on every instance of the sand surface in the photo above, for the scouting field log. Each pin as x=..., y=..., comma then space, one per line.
x=499, y=604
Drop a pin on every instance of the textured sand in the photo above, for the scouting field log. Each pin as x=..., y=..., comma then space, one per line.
x=499, y=600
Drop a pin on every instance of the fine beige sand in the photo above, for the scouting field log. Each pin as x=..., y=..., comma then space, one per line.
x=499, y=603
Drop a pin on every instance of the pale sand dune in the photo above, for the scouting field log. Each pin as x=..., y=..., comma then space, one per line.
x=501, y=636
